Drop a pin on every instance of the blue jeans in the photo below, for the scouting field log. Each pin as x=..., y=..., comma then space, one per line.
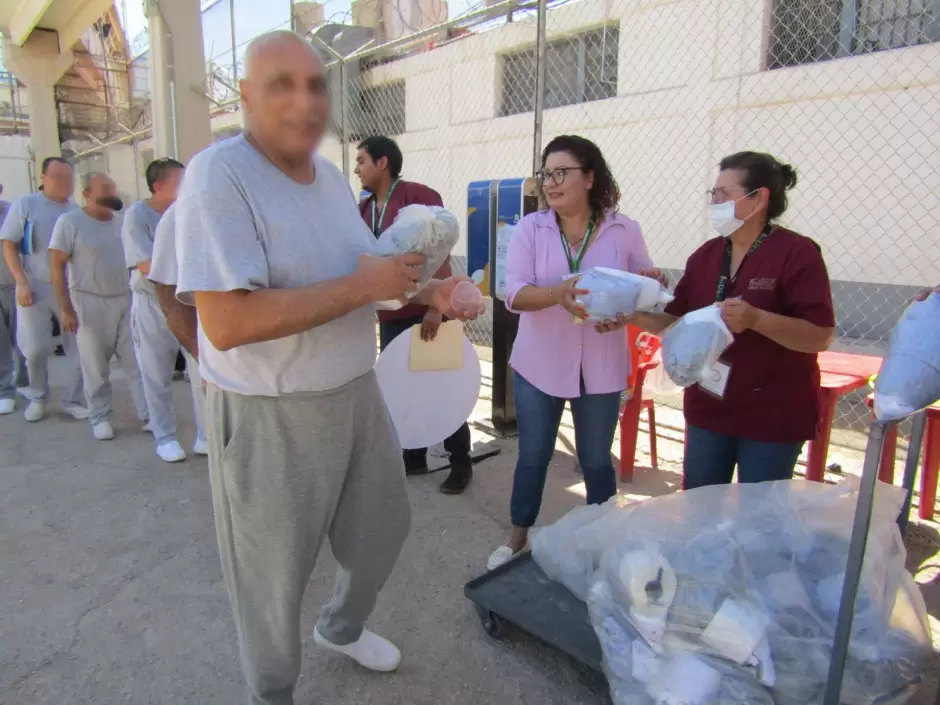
x=710, y=459
x=538, y=416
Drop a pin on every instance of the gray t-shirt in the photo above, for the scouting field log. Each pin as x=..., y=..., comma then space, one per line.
x=163, y=268
x=137, y=232
x=30, y=222
x=6, y=276
x=241, y=223
x=96, y=258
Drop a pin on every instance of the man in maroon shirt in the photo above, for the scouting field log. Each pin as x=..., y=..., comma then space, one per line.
x=378, y=166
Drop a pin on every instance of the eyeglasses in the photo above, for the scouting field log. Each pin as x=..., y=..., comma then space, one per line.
x=723, y=195
x=556, y=176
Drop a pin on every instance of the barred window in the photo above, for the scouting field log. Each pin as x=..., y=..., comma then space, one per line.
x=807, y=31
x=579, y=69
x=379, y=110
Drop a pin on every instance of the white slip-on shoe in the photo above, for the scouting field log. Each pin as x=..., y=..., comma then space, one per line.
x=370, y=651
x=7, y=406
x=171, y=452
x=35, y=411
x=201, y=447
x=102, y=431
x=147, y=428
x=79, y=413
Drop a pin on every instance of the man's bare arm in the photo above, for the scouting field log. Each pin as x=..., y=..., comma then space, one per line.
x=180, y=318
x=11, y=253
x=234, y=318
x=144, y=268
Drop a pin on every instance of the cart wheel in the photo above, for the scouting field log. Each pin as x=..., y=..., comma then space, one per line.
x=492, y=623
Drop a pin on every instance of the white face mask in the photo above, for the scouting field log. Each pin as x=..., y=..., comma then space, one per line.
x=722, y=218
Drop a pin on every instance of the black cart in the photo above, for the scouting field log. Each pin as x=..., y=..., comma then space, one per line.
x=520, y=594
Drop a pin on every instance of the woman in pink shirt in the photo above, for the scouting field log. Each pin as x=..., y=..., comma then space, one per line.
x=554, y=358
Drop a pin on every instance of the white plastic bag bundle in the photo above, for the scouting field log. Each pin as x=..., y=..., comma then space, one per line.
x=909, y=380
x=729, y=594
x=612, y=292
x=693, y=344
x=569, y=551
x=425, y=230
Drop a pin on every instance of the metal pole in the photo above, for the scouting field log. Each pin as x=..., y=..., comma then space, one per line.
x=342, y=116
x=541, y=52
x=853, y=566
x=918, y=425
x=231, y=16
x=293, y=22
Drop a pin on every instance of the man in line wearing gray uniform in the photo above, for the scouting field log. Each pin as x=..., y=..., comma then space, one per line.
x=271, y=246
x=180, y=317
x=95, y=301
x=12, y=364
x=26, y=233
x=155, y=343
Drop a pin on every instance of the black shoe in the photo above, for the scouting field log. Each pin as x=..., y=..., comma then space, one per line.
x=415, y=465
x=460, y=475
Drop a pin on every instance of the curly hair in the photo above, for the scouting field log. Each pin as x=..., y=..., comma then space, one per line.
x=604, y=196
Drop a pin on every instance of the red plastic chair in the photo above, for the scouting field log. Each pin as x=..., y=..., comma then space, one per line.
x=644, y=349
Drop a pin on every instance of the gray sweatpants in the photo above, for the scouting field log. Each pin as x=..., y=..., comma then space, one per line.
x=286, y=472
x=104, y=330
x=157, y=349
x=199, y=396
x=34, y=338
x=12, y=362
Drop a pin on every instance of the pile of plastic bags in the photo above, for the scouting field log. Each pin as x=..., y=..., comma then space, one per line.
x=612, y=293
x=693, y=344
x=729, y=595
x=909, y=379
x=425, y=230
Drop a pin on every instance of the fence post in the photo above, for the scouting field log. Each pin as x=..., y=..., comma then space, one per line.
x=541, y=51
x=342, y=115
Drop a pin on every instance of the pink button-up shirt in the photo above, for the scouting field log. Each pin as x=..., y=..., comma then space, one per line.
x=551, y=351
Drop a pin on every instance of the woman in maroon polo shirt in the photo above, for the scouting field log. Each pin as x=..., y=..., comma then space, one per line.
x=773, y=289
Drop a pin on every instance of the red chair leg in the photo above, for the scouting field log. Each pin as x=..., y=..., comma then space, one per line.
x=930, y=468
x=888, y=452
x=651, y=417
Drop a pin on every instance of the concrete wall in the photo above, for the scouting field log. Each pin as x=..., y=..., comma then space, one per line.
x=15, y=167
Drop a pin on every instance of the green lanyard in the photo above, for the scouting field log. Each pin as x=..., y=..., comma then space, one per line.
x=575, y=264
x=376, y=227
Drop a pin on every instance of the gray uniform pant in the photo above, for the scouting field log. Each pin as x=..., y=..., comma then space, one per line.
x=199, y=396
x=12, y=362
x=157, y=349
x=104, y=330
x=34, y=338
x=286, y=472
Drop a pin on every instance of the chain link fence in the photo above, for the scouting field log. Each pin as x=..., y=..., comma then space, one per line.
x=846, y=92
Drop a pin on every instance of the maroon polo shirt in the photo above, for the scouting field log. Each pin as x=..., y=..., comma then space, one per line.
x=406, y=193
x=772, y=393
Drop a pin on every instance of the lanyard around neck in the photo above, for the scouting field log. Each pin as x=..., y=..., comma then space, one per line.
x=574, y=263
x=377, y=226
x=725, y=275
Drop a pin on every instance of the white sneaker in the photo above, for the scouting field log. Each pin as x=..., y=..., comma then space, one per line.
x=502, y=555
x=147, y=428
x=79, y=413
x=370, y=651
x=35, y=411
x=171, y=452
x=102, y=431
x=7, y=406
x=201, y=447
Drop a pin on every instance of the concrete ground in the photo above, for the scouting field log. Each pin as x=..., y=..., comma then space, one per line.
x=110, y=589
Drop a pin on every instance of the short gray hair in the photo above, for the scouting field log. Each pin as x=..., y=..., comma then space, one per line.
x=88, y=177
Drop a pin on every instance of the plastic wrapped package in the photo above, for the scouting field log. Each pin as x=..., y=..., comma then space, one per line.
x=693, y=344
x=425, y=230
x=569, y=550
x=613, y=292
x=909, y=379
x=729, y=594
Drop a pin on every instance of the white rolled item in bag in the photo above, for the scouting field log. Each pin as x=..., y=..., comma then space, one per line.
x=425, y=230
x=613, y=292
x=693, y=344
x=909, y=379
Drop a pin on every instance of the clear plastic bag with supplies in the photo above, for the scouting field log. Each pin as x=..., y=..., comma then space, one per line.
x=909, y=380
x=613, y=292
x=730, y=594
x=693, y=344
